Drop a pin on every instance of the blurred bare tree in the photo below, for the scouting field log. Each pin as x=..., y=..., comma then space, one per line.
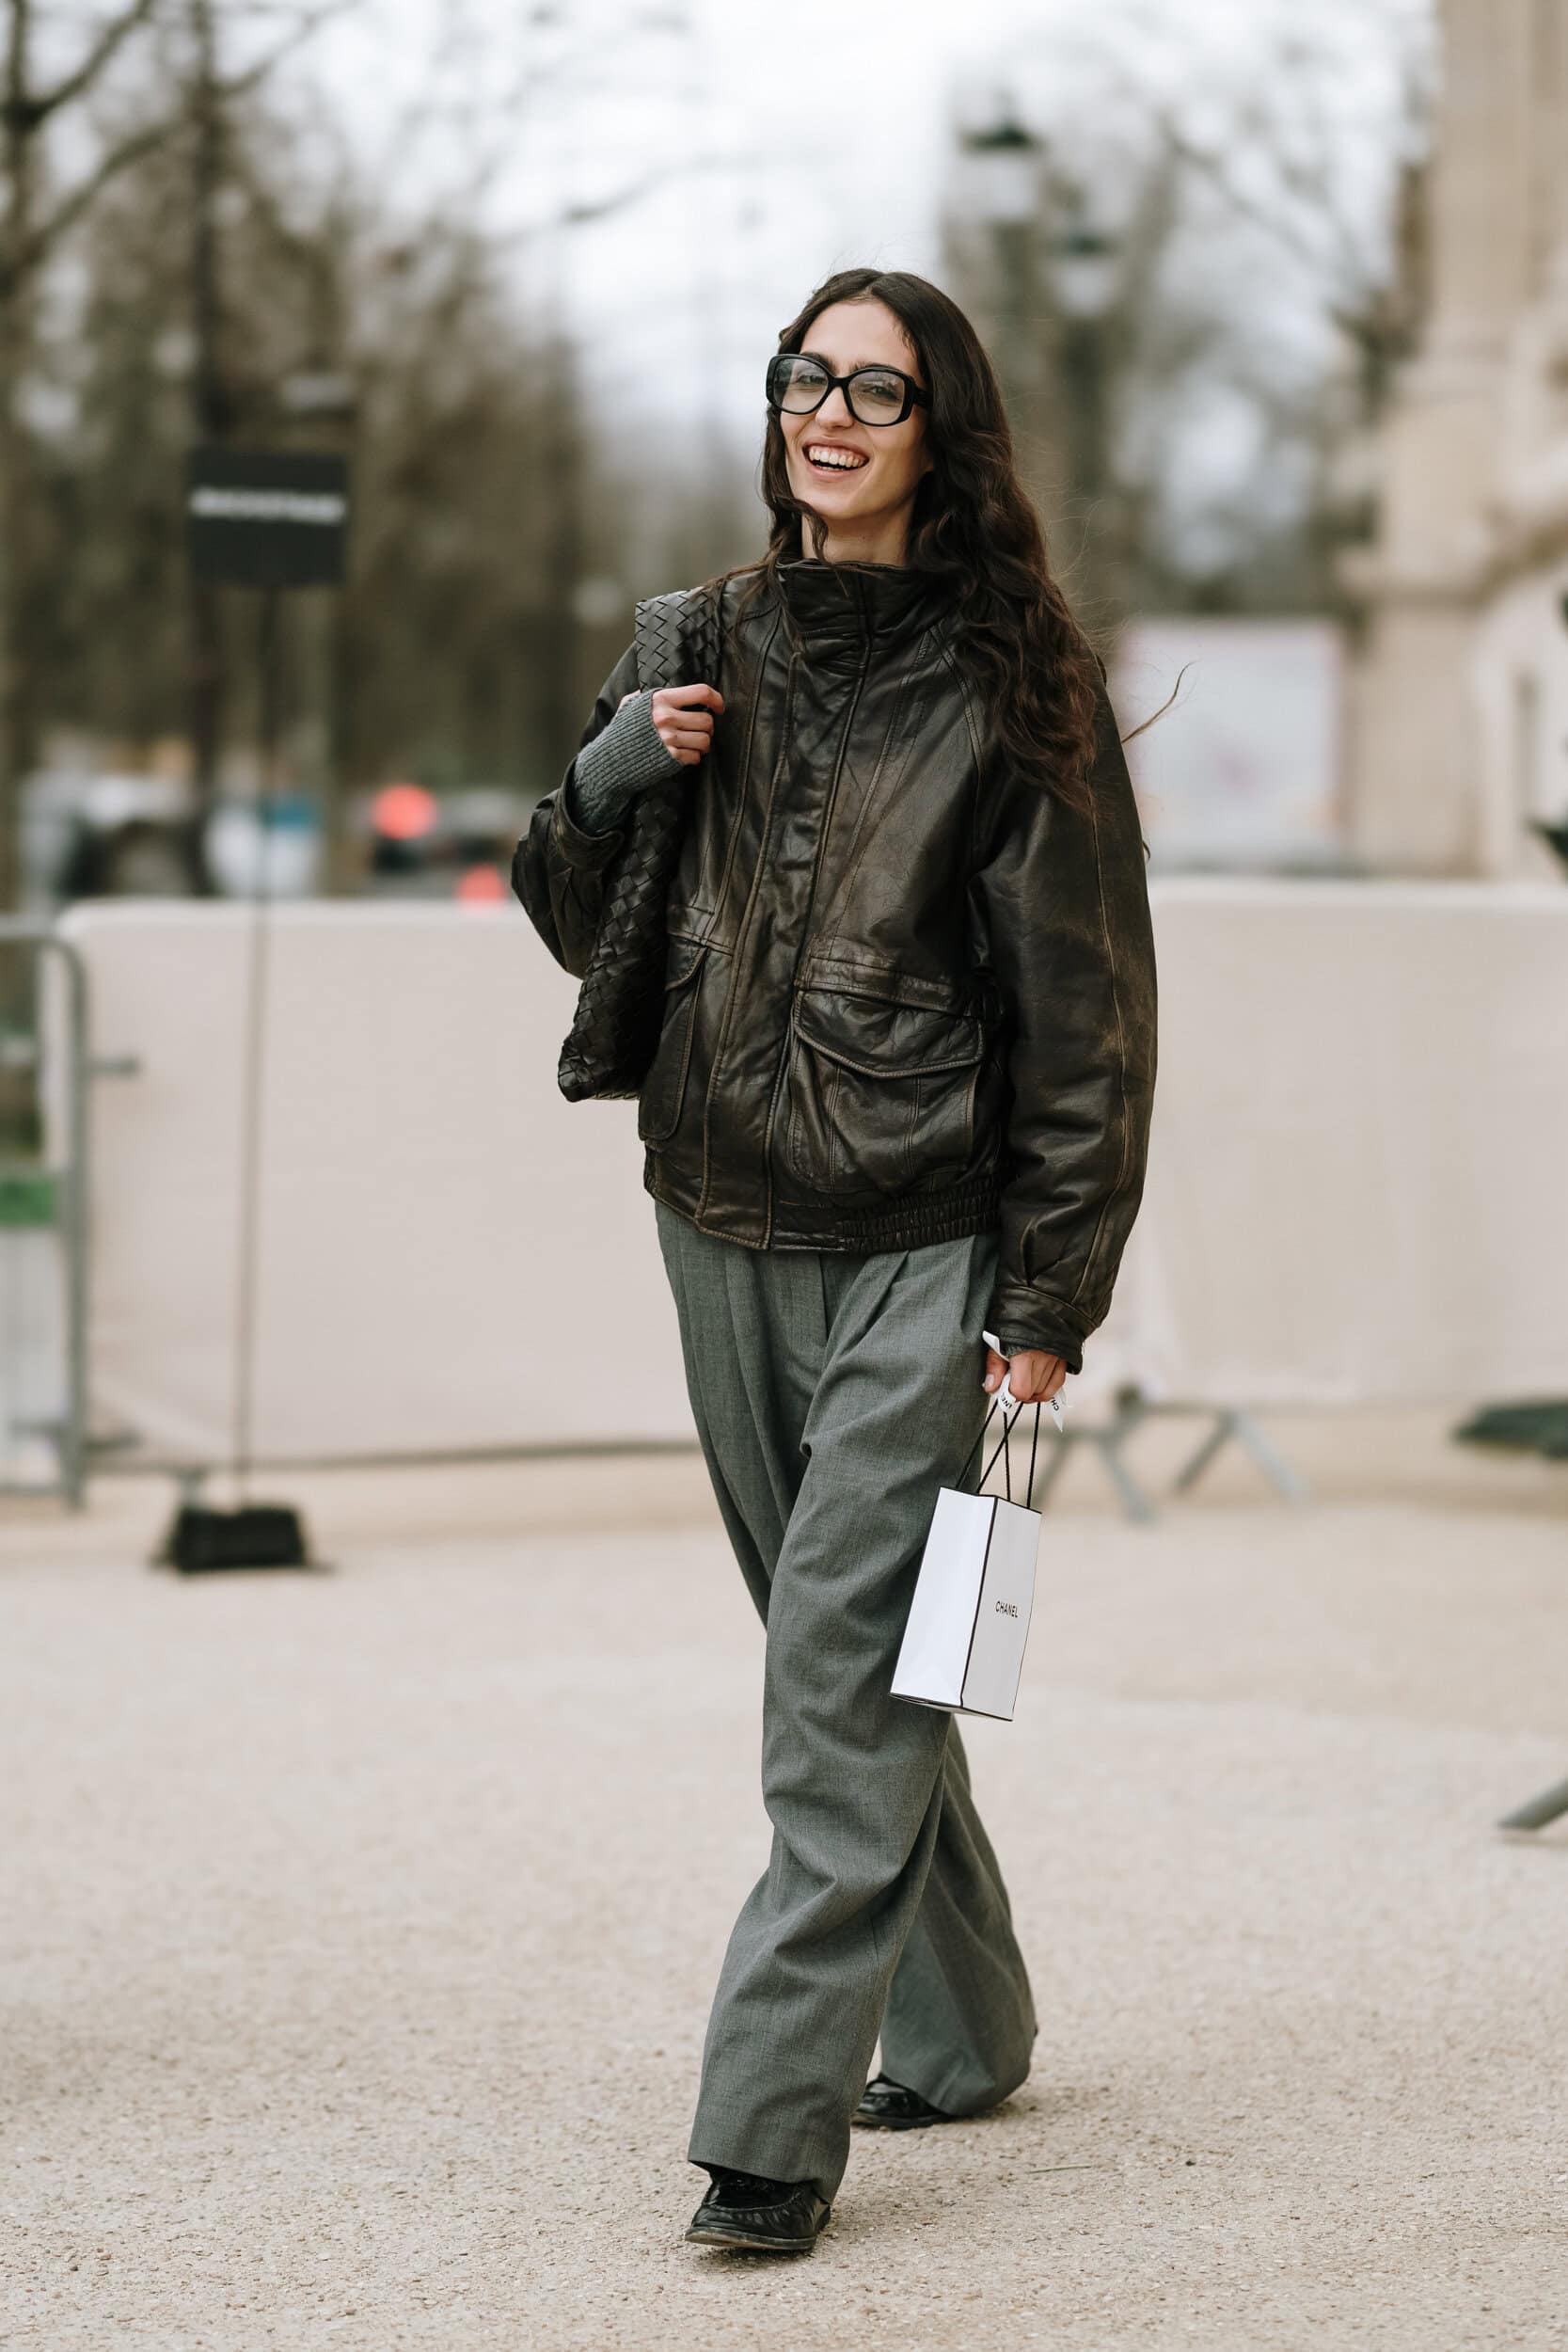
x=460, y=419
x=1191, y=319
x=228, y=270
x=128, y=113
x=37, y=215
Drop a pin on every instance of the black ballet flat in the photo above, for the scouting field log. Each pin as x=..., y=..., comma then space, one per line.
x=888, y=2107
x=753, y=2216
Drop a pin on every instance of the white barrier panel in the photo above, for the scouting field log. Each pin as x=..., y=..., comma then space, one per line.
x=1359, y=1173
x=1355, y=1193
x=450, y=1255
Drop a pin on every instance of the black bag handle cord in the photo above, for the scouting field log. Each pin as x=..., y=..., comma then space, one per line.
x=1007, y=1428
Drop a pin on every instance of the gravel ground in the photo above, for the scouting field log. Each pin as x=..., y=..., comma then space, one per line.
x=359, y=1933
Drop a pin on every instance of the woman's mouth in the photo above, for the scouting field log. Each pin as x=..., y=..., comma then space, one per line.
x=830, y=457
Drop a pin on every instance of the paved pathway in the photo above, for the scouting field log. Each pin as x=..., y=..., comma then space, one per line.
x=359, y=1936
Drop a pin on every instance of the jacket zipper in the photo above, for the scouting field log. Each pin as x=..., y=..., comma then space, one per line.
x=805, y=928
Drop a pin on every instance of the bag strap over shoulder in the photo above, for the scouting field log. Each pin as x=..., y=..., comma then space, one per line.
x=679, y=637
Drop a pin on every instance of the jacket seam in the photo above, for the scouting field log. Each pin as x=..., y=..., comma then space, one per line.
x=950, y=658
x=1114, y=1191
x=718, y=1062
x=862, y=971
x=823, y=830
x=732, y=848
x=897, y=743
x=975, y=747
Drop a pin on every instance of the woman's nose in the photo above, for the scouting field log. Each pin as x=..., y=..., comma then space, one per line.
x=843, y=414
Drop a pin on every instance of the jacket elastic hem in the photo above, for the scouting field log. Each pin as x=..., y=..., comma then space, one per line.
x=906, y=1224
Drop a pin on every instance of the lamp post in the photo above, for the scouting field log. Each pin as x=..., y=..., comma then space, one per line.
x=999, y=192
x=1050, y=273
x=319, y=408
x=1086, y=268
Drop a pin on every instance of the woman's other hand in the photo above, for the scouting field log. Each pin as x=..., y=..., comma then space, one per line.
x=1035, y=1376
x=683, y=716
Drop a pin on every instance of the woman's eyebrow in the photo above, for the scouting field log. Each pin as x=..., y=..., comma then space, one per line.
x=851, y=369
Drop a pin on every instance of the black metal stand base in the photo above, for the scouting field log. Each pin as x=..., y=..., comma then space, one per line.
x=256, y=1535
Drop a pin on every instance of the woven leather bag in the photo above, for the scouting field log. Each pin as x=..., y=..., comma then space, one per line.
x=620, y=1008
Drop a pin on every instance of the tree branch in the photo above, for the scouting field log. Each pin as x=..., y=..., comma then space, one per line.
x=240, y=85
x=98, y=57
x=151, y=135
x=70, y=210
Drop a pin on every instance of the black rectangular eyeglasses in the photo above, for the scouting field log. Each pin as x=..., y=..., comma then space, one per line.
x=798, y=384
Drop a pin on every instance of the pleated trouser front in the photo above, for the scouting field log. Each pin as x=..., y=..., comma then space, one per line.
x=833, y=1395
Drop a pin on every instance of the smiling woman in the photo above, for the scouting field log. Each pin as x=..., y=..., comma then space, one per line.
x=898, y=1096
x=853, y=406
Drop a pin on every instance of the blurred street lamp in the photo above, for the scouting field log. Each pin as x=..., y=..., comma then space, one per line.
x=1053, y=276
x=1001, y=192
x=1085, y=273
x=1086, y=265
x=1002, y=174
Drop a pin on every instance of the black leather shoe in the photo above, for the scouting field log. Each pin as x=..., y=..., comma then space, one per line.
x=750, y=2215
x=887, y=2106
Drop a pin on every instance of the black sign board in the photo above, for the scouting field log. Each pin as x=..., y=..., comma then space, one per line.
x=267, y=518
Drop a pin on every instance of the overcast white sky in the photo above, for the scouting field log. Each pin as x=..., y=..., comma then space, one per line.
x=771, y=144
x=781, y=141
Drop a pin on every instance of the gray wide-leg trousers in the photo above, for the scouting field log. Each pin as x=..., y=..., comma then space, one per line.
x=833, y=1394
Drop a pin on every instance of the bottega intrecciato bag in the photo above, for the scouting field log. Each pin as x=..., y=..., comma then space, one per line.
x=620, y=1008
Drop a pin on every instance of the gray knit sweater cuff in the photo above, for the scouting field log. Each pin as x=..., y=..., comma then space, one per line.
x=623, y=760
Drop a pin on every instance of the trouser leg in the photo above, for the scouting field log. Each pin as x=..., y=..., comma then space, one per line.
x=959, y=2022
x=853, y=1780
x=753, y=1333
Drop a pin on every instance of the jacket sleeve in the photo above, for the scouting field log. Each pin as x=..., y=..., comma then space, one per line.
x=1066, y=904
x=558, y=868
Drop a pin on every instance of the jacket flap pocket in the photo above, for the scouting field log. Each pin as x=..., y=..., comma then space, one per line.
x=682, y=960
x=882, y=1037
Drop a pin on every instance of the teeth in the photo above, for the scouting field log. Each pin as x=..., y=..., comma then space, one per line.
x=847, y=461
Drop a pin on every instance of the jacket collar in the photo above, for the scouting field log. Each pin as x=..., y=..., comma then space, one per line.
x=842, y=608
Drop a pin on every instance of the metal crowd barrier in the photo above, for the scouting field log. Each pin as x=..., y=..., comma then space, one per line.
x=44, y=1071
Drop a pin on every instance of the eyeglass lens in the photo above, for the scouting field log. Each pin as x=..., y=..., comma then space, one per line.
x=876, y=395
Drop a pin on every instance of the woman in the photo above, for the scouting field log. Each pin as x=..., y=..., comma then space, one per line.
x=901, y=1096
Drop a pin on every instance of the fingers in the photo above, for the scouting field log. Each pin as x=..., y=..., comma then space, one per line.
x=1036, y=1376
x=996, y=1368
x=683, y=716
x=683, y=745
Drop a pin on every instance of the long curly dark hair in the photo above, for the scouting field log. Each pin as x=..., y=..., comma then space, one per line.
x=974, y=527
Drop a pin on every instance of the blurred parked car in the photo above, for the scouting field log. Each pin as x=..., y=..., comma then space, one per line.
x=453, y=845
x=99, y=836
x=93, y=837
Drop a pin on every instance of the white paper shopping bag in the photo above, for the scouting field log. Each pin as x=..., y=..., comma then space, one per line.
x=969, y=1620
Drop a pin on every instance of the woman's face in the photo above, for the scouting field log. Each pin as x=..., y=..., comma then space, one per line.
x=876, y=487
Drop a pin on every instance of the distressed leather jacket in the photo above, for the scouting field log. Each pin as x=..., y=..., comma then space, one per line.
x=909, y=995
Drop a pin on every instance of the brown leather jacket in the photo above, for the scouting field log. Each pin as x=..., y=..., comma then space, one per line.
x=909, y=995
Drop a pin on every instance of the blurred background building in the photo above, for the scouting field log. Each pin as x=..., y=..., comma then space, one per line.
x=1459, y=742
